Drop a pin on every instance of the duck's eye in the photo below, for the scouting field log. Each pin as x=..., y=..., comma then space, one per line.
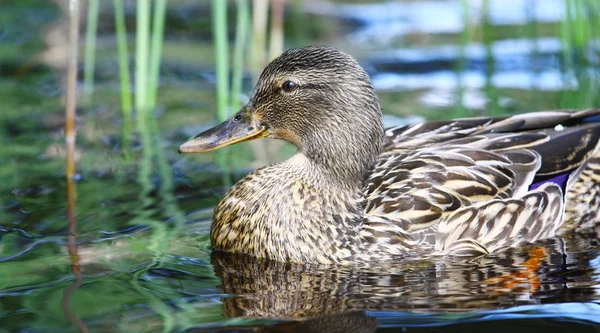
x=289, y=86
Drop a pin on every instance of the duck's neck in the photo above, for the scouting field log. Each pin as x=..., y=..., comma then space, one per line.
x=345, y=159
x=345, y=171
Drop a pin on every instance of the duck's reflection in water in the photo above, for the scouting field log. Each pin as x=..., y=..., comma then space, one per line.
x=552, y=272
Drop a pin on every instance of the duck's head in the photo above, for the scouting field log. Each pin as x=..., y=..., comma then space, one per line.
x=317, y=98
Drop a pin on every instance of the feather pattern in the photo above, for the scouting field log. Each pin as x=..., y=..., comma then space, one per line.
x=583, y=198
x=463, y=186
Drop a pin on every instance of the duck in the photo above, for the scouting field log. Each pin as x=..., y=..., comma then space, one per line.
x=355, y=193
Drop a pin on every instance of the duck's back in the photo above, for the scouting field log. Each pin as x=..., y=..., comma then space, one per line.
x=482, y=184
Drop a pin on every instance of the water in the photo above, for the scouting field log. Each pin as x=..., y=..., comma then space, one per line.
x=143, y=260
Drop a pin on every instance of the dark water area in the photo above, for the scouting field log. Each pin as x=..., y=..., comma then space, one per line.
x=144, y=262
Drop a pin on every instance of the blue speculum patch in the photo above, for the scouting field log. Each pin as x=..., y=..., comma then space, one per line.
x=560, y=180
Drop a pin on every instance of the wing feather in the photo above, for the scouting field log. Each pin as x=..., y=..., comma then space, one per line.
x=463, y=186
x=501, y=224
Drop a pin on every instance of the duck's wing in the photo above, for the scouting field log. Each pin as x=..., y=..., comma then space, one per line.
x=488, y=227
x=472, y=185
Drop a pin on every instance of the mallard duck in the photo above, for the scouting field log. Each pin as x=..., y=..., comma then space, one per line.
x=354, y=193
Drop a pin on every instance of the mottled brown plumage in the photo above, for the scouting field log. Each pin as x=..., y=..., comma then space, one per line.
x=355, y=194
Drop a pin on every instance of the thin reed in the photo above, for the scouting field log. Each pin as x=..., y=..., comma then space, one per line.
x=70, y=112
x=579, y=29
x=124, y=77
x=90, y=50
x=219, y=16
x=142, y=52
x=158, y=27
x=70, y=135
x=148, y=54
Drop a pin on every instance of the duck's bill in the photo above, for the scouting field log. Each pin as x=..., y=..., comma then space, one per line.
x=241, y=127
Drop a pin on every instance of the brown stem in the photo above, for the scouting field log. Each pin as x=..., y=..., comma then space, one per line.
x=70, y=133
x=70, y=130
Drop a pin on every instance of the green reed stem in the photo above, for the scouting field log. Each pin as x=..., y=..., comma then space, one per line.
x=577, y=29
x=580, y=25
x=219, y=15
x=241, y=35
x=125, y=79
x=158, y=27
x=141, y=57
x=90, y=50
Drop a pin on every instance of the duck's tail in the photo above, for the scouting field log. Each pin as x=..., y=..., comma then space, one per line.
x=583, y=199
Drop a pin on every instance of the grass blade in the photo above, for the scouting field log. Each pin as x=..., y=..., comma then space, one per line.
x=219, y=15
x=158, y=27
x=125, y=79
x=141, y=56
x=90, y=50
